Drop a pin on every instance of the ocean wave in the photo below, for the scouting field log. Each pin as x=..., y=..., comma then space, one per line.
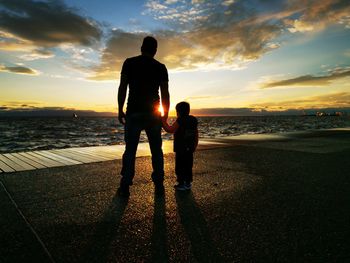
x=26, y=134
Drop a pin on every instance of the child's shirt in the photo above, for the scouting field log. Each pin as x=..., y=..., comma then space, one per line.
x=185, y=131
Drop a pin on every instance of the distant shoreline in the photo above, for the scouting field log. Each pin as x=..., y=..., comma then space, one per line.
x=201, y=112
x=200, y=116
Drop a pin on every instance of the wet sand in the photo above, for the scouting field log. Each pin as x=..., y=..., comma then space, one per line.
x=277, y=199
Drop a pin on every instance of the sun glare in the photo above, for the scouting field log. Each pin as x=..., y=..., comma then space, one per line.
x=161, y=110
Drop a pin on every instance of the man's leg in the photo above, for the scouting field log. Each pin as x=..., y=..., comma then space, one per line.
x=131, y=136
x=155, y=143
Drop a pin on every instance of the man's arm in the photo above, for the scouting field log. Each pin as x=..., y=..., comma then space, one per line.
x=196, y=140
x=121, y=97
x=164, y=90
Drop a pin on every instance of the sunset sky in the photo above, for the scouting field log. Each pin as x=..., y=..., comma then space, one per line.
x=227, y=57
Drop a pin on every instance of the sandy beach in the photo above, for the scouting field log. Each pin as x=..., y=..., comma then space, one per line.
x=253, y=200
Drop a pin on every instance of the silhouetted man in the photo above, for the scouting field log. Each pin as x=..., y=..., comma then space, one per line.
x=144, y=75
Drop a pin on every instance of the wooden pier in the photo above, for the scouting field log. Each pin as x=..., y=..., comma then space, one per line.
x=23, y=161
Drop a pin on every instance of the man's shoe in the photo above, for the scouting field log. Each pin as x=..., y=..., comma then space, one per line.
x=180, y=187
x=159, y=189
x=123, y=191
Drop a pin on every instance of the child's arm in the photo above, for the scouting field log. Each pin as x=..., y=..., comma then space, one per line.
x=168, y=128
x=196, y=140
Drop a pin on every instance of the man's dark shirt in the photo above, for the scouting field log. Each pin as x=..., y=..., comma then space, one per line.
x=185, y=135
x=144, y=76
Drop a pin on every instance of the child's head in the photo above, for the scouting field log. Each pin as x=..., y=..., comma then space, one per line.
x=183, y=109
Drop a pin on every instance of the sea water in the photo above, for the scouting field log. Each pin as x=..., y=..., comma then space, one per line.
x=42, y=133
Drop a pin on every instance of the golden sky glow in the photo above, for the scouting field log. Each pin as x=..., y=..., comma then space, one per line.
x=245, y=56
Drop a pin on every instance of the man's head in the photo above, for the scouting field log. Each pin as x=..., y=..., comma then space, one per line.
x=149, y=46
x=182, y=109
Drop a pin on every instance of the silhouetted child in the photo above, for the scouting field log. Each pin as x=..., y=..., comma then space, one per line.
x=185, y=130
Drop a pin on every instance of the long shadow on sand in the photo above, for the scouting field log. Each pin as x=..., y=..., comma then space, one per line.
x=159, y=233
x=203, y=247
x=98, y=249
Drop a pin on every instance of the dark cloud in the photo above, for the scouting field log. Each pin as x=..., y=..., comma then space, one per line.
x=30, y=111
x=308, y=80
x=335, y=100
x=225, y=111
x=16, y=104
x=47, y=23
x=264, y=112
x=18, y=70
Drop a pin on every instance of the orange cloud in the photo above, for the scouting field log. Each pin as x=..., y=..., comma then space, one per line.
x=317, y=15
x=230, y=47
x=19, y=70
x=227, y=35
x=309, y=80
x=335, y=100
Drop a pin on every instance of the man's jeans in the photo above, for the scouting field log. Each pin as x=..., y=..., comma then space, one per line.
x=152, y=124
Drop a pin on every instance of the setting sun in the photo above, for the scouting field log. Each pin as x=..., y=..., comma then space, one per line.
x=161, y=110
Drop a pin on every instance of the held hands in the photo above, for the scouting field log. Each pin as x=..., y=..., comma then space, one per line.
x=164, y=122
x=121, y=117
x=164, y=119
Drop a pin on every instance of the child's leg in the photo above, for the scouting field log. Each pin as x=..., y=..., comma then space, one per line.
x=188, y=164
x=180, y=167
